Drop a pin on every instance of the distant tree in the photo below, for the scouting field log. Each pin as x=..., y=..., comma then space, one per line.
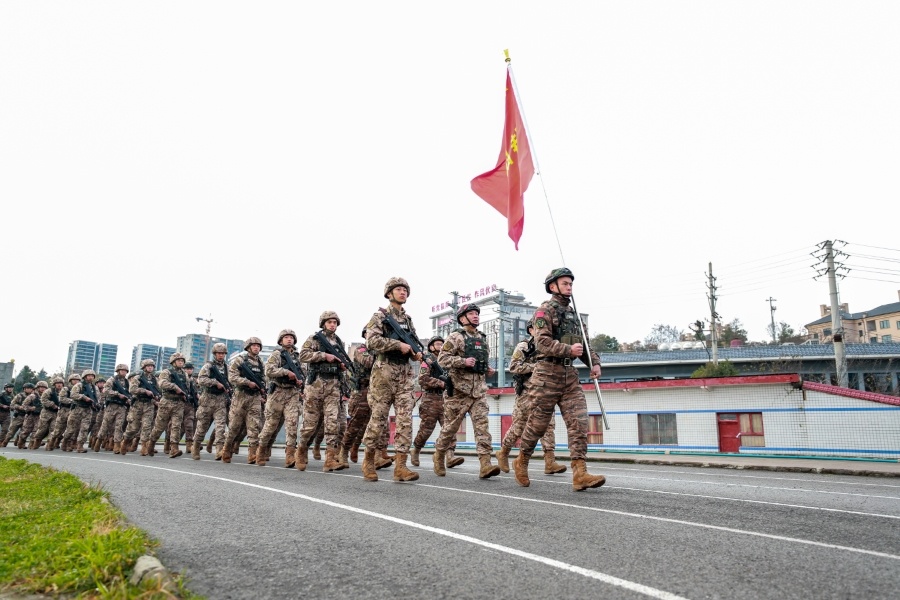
x=604, y=343
x=26, y=375
x=42, y=375
x=663, y=333
x=733, y=331
x=723, y=369
x=782, y=333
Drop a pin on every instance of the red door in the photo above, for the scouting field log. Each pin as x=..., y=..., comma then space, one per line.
x=729, y=432
x=392, y=424
x=505, y=424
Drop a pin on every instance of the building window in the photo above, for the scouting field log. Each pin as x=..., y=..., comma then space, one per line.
x=752, y=430
x=595, y=429
x=657, y=429
x=886, y=339
x=827, y=333
x=884, y=324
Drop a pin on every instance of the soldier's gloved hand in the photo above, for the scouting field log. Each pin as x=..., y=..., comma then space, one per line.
x=576, y=350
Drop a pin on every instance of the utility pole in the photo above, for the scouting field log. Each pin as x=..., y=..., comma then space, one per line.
x=501, y=345
x=209, y=321
x=772, y=315
x=837, y=325
x=713, y=315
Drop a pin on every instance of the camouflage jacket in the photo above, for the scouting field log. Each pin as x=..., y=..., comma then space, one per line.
x=547, y=319
x=363, y=359
x=50, y=399
x=207, y=382
x=279, y=374
x=6, y=399
x=77, y=393
x=111, y=394
x=376, y=337
x=17, y=401
x=171, y=389
x=452, y=358
x=429, y=383
x=237, y=378
x=32, y=404
x=137, y=391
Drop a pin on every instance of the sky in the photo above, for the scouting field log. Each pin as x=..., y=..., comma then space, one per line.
x=259, y=163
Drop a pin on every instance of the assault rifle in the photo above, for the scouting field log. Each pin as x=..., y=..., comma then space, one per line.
x=341, y=355
x=249, y=374
x=221, y=378
x=121, y=391
x=150, y=386
x=405, y=336
x=440, y=373
x=520, y=380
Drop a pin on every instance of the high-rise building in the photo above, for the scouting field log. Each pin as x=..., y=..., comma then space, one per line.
x=162, y=361
x=198, y=350
x=105, y=359
x=143, y=352
x=101, y=358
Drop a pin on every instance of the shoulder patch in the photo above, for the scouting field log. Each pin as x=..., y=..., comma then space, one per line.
x=539, y=314
x=540, y=322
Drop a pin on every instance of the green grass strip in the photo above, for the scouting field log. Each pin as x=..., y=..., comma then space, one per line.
x=59, y=536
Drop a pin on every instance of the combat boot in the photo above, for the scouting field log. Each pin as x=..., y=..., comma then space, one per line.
x=236, y=447
x=331, y=463
x=354, y=453
x=195, y=450
x=382, y=460
x=134, y=445
x=145, y=448
x=342, y=459
x=219, y=451
x=317, y=451
x=301, y=458
x=80, y=449
x=256, y=456
x=289, y=456
x=5, y=442
x=176, y=451
x=401, y=473
x=520, y=466
x=503, y=458
x=414, y=456
x=487, y=469
x=125, y=448
x=453, y=460
x=116, y=446
x=167, y=445
x=385, y=455
x=97, y=444
x=50, y=444
x=21, y=444
x=550, y=465
x=91, y=441
x=368, y=465
x=439, y=466
x=209, y=444
x=582, y=480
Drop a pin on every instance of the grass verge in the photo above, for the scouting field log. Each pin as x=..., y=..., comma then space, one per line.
x=61, y=537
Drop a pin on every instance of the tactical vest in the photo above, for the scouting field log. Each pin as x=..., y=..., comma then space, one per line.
x=178, y=378
x=395, y=356
x=148, y=382
x=65, y=401
x=363, y=372
x=476, y=347
x=54, y=398
x=87, y=389
x=328, y=369
x=215, y=372
x=5, y=399
x=568, y=331
x=118, y=385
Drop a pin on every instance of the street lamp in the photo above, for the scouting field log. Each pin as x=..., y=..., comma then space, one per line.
x=208, y=325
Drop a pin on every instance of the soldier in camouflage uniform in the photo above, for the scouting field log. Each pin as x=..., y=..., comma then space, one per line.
x=18, y=413
x=118, y=399
x=5, y=409
x=554, y=381
x=145, y=393
x=391, y=382
x=431, y=404
x=324, y=390
x=247, y=374
x=175, y=389
x=521, y=366
x=49, y=413
x=32, y=407
x=190, y=411
x=84, y=395
x=465, y=355
x=214, y=392
x=62, y=417
x=283, y=404
x=98, y=409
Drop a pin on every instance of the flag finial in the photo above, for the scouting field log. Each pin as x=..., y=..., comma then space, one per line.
x=506, y=54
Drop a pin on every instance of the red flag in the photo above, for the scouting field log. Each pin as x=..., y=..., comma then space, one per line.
x=503, y=186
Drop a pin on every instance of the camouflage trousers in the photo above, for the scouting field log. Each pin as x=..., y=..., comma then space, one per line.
x=97, y=421
x=5, y=418
x=187, y=424
x=360, y=413
x=113, y=417
x=46, y=424
x=390, y=385
x=323, y=401
x=455, y=410
x=431, y=412
x=551, y=386
x=170, y=411
x=521, y=411
x=78, y=425
x=59, y=427
x=15, y=424
x=283, y=406
x=246, y=412
x=29, y=425
x=211, y=409
x=140, y=420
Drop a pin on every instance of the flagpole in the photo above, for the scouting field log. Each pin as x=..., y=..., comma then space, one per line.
x=540, y=173
x=537, y=164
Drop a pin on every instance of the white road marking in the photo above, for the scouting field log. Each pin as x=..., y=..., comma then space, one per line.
x=606, y=467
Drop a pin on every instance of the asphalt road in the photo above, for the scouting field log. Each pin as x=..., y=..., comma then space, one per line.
x=241, y=531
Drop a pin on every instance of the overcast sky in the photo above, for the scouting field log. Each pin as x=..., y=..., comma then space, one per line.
x=262, y=162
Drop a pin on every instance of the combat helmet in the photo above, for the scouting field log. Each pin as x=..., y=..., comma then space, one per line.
x=395, y=282
x=252, y=340
x=121, y=367
x=175, y=357
x=285, y=332
x=219, y=347
x=365, y=332
x=433, y=340
x=148, y=361
x=41, y=384
x=464, y=309
x=328, y=314
x=56, y=380
x=87, y=372
x=74, y=377
x=556, y=274
x=28, y=385
x=6, y=385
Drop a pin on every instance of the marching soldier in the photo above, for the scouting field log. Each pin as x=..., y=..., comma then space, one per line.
x=62, y=417
x=49, y=413
x=247, y=374
x=283, y=403
x=18, y=413
x=84, y=395
x=145, y=393
x=98, y=409
x=521, y=366
x=323, y=392
x=431, y=405
x=391, y=381
x=118, y=399
x=5, y=409
x=215, y=390
x=190, y=410
x=175, y=389
x=554, y=381
x=32, y=407
x=465, y=356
